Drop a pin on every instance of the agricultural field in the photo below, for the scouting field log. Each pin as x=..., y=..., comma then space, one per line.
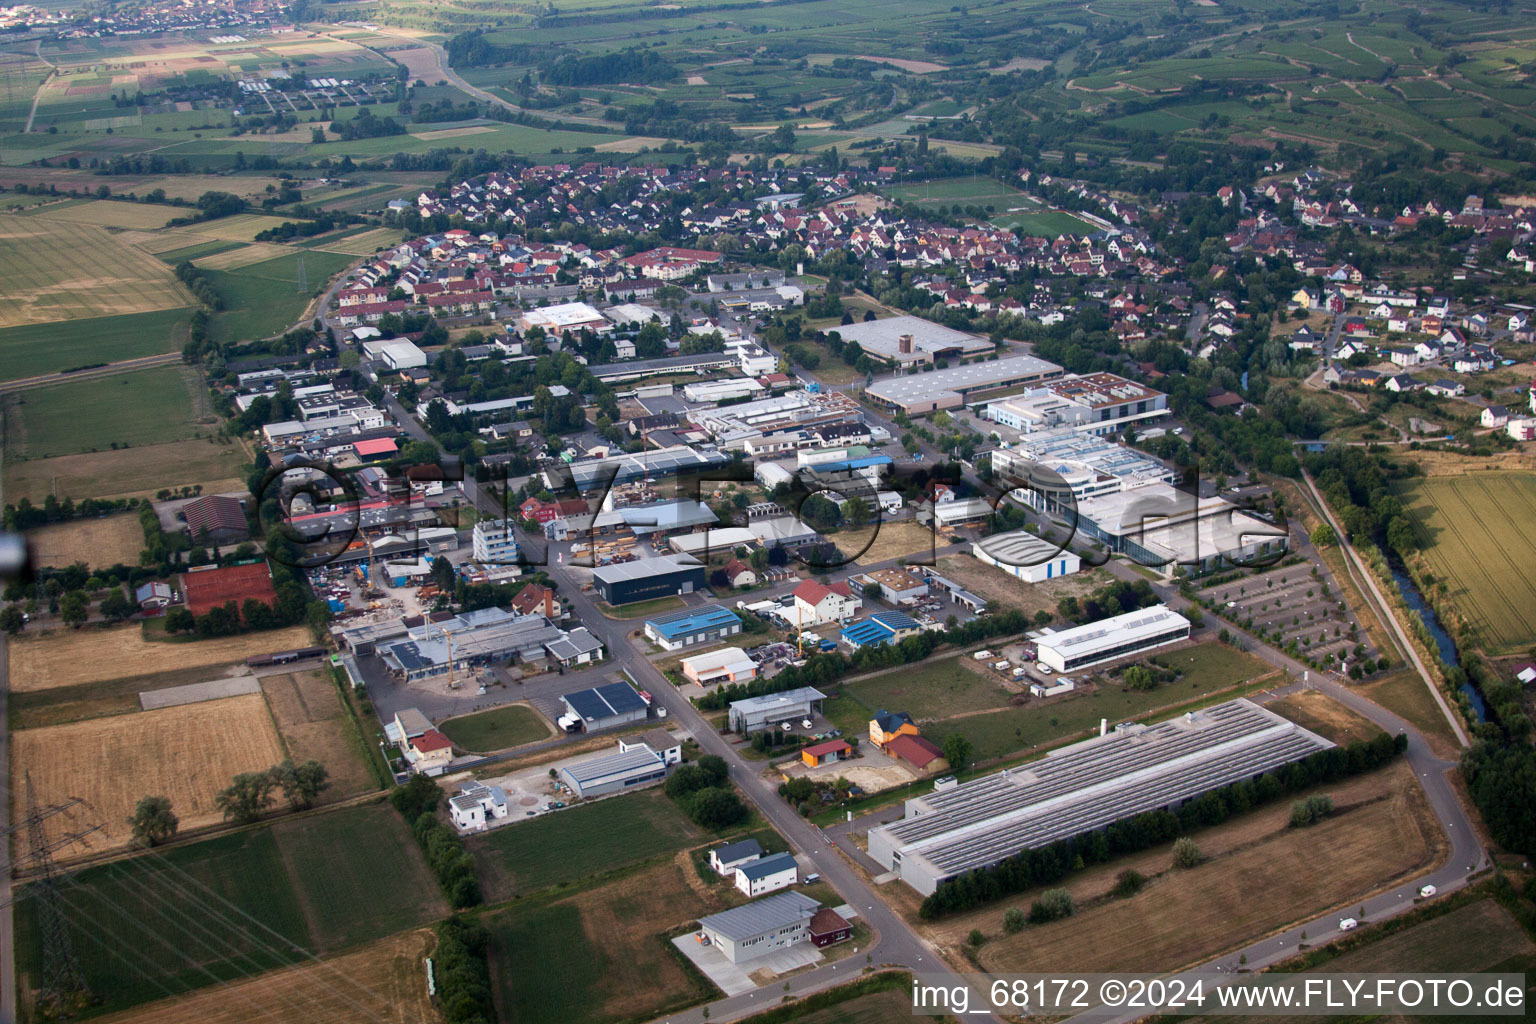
x=65, y=658
x=886, y=542
x=280, y=895
x=103, y=213
x=265, y=298
x=381, y=982
x=56, y=270
x=112, y=540
x=1383, y=830
x=187, y=753
x=575, y=843
x=497, y=729
x=600, y=951
x=35, y=349
x=135, y=472
x=1478, y=535
x=307, y=709
x=141, y=407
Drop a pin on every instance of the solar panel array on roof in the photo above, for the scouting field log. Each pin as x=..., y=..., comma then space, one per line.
x=605, y=701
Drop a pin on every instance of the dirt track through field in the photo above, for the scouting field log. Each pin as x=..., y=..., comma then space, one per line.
x=71, y=657
x=383, y=983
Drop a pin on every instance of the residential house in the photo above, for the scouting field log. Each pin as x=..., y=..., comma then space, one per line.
x=887, y=725
x=153, y=596
x=1495, y=416
x=476, y=805
x=817, y=603
x=767, y=874
x=727, y=857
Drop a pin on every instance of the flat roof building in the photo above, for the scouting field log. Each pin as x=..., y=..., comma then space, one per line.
x=1030, y=558
x=918, y=393
x=1094, y=403
x=567, y=316
x=614, y=773
x=692, y=626
x=727, y=665
x=754, y=713
x=910, y=340
x=1118, y=636
x=1162, y=527
x=880, y=629
x=607, y=706
x=1084, y=787
x=626, y=582
x=760, y=927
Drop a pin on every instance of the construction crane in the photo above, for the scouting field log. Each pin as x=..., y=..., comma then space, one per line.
x=452, y=683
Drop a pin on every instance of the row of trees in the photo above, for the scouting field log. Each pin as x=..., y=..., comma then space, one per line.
x=461, y=965
x=418, y=801
x=1030, y=868
x=250, y=794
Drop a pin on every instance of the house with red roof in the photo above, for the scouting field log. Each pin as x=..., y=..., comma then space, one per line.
x=375, y=448
x=817, y=603
x=918, y=752
x=431, y=750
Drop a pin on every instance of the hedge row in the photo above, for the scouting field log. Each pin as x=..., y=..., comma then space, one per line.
x=462, y=968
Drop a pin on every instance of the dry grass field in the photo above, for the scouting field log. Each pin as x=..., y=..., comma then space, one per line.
x=187, y=753
x=71, y=657
x=96, y=542
x=107, y=214
x=364, y=243
x=992, y=583
x=55, y=270
x=1326, y=717
x=887, y=542
x=452, y=133
x=242, y=227
x=1252, y=884
x=233, y=259
x=381, y=983
x=127, y=473
x=315, y=726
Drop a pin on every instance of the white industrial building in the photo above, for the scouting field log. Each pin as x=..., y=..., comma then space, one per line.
x=396, y=353
x=754, y=713
x=761, y=927
x=567, y=316
x=1026, y=556
x=919, y=393
x=1085, y=787
x=911, y=340
x=1119, y=636
x=1060, y=467
x=1094, y=403
x=722, y=390
x=1162, y=527
x=614, y=773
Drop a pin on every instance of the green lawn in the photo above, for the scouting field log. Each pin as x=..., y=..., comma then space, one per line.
x=359, y=875
x=192, y=916
x=264, y=299
x=496, y=729
x=933, y=690
x=128, y=409
x=1044, y=225
x=48, y=348
x=192, y=252
x=573, y=844
x=1215, y=667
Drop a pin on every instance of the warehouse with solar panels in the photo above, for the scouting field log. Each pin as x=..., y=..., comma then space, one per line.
x=1084, y=787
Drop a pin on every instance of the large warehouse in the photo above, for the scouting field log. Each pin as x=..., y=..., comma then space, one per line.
x=614, y=773
x=762, y=926
x=1027, y=556
x=905, y=340
x=692, y=626
x=918, y=393
x=606, y=707
x=626, y=582
x=1119, y=636
x=1084, y=787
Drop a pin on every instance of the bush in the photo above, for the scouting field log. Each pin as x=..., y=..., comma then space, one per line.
x=715, y=807
x=1186, y=854
x=976, y=938
x=1128, y=883
x=1013, y=920
x=1311, y=810
x=1053, y=905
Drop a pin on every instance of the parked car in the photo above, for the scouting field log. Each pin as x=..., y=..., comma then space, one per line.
x=1348, y=924
x=1427, y=891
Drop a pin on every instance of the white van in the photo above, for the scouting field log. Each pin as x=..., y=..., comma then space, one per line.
x=1427, y=891
x=1348, y=924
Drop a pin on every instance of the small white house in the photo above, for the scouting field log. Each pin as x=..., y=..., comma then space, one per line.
x=1495, y=416
x=767, y=874
x=726, y=858
x=476, y=805
x=666, y=746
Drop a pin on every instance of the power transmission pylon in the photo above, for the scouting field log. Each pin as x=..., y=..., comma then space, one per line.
x=303, y=285
x=63, y=988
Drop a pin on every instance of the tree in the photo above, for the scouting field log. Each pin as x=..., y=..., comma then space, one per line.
x=302, y=783
x=1323, y=536
x=1139, y=677
x=716, y=807
x=856, y=512
x=1053, y=905
x=179, y=620
x=116, y=605
x=74, y=608
x=152, y=821
x=12, y=620
x=1185, y=853
x=249, y=794
x=1013, y=920
x=957, y=751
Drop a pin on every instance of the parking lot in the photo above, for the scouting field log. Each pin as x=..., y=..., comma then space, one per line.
x=1291, y=604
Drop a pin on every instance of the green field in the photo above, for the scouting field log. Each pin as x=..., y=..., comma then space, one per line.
x=231, y=907
x=934, y=690
x=34, y=349
x=264, y=299
x=977, y=190
x=496, y=729
x=1478, y=533
x=127, y=409
x=998, y=733
x=641, y=609
x=572, y=844
x=1044, y=225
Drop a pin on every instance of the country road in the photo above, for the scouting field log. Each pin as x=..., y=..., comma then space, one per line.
x=105, y=370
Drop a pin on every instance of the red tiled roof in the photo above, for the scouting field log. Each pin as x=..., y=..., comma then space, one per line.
x=376, y=446
x=829, y=747
x=432, y=740
x=918, y=751
x=827, y=921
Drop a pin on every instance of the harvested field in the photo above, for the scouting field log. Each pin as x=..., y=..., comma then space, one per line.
x=96, y=542
x=314, y=726
x=242, y=227
x=187, y=753
x=631, y=144
x=888, y=542
x=108, y=214
x=600, y=951
x=1183, y=917
x=381, y=982
x=452, y=133
x=70, y=657
x=55, y=270
x=255, y=252
x=134, y=472
x=365, y=243
x=1326, y=717
x=37, y=708
x=992, y=583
